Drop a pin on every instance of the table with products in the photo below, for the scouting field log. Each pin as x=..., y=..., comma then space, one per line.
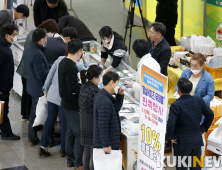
x=175, y=73
x=181, y=60
x=129, y=112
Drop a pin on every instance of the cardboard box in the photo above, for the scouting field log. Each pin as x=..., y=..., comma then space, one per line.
x=2, y=103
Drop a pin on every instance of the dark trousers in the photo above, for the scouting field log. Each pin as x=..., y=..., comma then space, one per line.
x=74, y=150
x=26, y=102
x=48, y=128
x=188, y=152
x=169, y=35
x=5, y=126
x=32, y=136
x=88, y=158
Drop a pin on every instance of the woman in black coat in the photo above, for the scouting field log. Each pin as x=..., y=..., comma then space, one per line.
x=113, y=45
x=87, y=92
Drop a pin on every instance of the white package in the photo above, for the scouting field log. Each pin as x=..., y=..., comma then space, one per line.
x=215, y=139
x=177, y=55
x=217, y=52
x=112, y=161
x=41, y=112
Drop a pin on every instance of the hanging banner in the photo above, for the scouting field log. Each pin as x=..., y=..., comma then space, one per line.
x=153, y=110
x=214, y=26
x=215, y=2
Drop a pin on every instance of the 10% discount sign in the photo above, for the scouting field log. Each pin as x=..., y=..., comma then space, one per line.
x=149, y=135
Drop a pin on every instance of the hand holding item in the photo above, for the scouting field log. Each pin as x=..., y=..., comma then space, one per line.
x=84, y=56
x=102, y=66
x=130, y=84
x=45, y=94
x=121, y=90
x=174, y=141
x=107, y=150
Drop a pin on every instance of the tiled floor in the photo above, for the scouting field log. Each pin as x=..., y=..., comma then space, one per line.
x=18, y=154
x=95, y=14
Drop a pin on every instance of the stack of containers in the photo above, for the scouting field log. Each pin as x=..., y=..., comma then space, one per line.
x=217, y=109
x=215, y=72
x=215, y=139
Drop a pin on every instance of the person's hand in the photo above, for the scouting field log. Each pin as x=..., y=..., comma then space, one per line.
x=104, y=72
x=174, y=141
x=107, y=150
x=121, y=90
x=84, y=56
x=130, y=84
x=102, y=66
x=45, y=94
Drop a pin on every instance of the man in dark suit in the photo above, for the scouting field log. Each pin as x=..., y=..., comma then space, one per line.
x=47, y=9
x=158, y=47
x=18, y=14
x=183, y=126
x=37, y=70
x=7, y=37
x=56, y=45
x=166, y=13
x=84, y=34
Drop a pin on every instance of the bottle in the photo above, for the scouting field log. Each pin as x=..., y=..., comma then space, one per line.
x=92, y=47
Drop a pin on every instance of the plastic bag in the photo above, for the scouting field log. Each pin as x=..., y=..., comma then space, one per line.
x=201, y=44
x=217, y=52
x=197, y=41
x=214, y=62
x=41, y=112
x=206, y=49
x=177, y=56
x=216, y=134
x=215, y=139
x=107, y=161
x=176, y=95
x=130, y=128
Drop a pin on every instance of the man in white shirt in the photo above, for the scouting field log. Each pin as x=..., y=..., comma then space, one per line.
x=140, y=47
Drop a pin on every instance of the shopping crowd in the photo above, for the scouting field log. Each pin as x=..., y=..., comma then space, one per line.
x=53, y=56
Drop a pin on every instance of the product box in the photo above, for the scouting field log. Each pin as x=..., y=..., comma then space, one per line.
x=2, y=103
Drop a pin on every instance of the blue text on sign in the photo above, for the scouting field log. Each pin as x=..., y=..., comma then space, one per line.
x=156, y=84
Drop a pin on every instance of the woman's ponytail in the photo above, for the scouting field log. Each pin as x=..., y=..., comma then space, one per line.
x=93, y=71
x=83, y=75
x=118, y=36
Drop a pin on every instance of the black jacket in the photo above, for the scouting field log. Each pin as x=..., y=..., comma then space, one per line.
x=184, y=121
x=37, y=69
x=54, y=49
x=41, y=8
x=6, y=65
x=86, y=96
x=118, y=51
x=69, y=87
x=162, y=54
x=83, y=32
x=166, y=12
x=107, y=127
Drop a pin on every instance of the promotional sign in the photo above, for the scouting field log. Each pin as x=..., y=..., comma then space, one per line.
x=214, y=26
x=153, y=110
x=219, y=35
